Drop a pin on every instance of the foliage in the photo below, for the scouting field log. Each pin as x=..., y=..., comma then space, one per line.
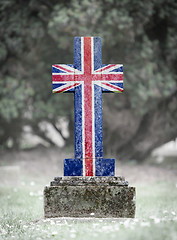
x=36, y=34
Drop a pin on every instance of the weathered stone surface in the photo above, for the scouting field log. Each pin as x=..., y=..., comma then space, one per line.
x=84, y=181
x=88, y=78
x=85, y=196
x=93, y=197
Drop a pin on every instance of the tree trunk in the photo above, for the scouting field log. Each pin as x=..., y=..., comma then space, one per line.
x=156, y=127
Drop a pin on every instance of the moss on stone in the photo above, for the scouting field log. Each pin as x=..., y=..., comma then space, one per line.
x=104, y=200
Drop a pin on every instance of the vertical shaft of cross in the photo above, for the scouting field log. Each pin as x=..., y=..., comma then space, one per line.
x=88, y=109
x=91, y=115
x=88, y=79
x=88, y=101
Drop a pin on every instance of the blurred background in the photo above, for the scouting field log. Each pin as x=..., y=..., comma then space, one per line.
x=140, y=34
x=37, y=127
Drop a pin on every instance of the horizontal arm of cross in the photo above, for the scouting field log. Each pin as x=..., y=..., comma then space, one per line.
x=80, y=77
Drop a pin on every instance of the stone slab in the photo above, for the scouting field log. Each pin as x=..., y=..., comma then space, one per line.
x=105, y=197
x=85, y=181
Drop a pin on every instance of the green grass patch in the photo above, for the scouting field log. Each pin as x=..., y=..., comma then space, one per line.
x=21, y=216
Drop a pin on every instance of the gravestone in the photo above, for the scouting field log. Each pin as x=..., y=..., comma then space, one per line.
x=89, y=187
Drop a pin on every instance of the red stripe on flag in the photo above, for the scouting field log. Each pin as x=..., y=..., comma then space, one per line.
x=63, y=68
x=112, y=86
x=62, y=78
x=83, y=77
x=89, y=167
x=88, y=107
x=106, y=67
x=113, y=77
x=67, y=88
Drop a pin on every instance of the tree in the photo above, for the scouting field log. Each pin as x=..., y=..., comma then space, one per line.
x=141, y=35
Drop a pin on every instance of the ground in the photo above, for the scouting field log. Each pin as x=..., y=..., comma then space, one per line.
x=23, y=176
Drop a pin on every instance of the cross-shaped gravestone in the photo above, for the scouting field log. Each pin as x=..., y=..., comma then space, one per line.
x=88, y=78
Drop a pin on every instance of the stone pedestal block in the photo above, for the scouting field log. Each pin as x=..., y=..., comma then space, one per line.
x=89, y=197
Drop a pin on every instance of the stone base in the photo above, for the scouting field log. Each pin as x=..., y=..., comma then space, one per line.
x=106, y=197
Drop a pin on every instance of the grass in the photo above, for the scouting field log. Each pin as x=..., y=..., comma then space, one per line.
x=21, y=202
x=21, y=216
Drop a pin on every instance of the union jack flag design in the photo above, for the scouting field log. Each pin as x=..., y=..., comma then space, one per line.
x=88, y=78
